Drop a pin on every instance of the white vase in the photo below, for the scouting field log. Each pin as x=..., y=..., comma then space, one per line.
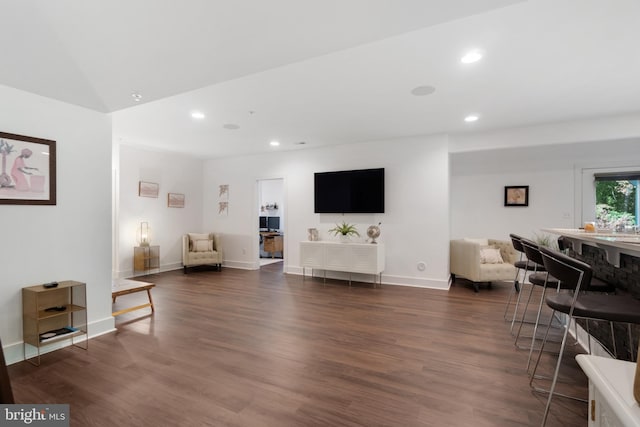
x=344, y=238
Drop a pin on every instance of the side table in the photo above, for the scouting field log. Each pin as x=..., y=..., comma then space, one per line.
x=146, y=258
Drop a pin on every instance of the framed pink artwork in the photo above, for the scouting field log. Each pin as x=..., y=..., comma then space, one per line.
x=28, y=175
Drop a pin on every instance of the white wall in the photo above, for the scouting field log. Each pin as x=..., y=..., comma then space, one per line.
x=71, y=240
x=594, y=129
x=420, y=211
x=175, y=173
x=478, y=181
x=415, y=226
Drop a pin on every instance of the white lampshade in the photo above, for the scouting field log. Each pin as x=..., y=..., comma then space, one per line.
x=143, y=235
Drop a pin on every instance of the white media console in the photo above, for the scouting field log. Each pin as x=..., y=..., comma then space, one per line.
x=367, y=258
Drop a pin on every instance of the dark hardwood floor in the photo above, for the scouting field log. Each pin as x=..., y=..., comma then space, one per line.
x=260, y=348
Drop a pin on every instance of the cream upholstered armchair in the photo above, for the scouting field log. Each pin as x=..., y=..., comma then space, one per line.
x=482, y=260
x=201, y=249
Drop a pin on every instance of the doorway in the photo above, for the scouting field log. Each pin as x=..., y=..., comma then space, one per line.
x=271, y=220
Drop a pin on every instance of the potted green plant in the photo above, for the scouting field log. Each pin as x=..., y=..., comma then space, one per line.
x=546, y=241
x=345, y=231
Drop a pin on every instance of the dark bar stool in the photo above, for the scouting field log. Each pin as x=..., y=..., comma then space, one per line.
x=564, y=244
x=547, y=281
x=540, y=279
x=523, y=265
x=596, y=284
x=590, y=306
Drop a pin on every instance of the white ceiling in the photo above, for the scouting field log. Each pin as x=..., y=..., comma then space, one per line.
x=322, y=72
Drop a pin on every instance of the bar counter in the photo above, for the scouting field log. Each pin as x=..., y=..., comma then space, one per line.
x=613, y=244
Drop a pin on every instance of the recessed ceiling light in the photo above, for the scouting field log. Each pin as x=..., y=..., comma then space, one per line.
x=136, y=96
x=471, y=57
x=197, y=115
x=423, y=90
x=231, y=126
x=274, y=143
x=471, y=118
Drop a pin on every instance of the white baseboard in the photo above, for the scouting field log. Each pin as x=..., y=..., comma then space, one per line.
x=242, y=265
x=171, y=267
x=387, y=279
x=167, y=267
x=14, y=353
x=416, y=282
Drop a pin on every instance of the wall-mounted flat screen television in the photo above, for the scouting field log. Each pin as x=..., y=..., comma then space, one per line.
x=353, y=191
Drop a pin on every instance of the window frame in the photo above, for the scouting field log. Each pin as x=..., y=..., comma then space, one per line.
x=585, y=194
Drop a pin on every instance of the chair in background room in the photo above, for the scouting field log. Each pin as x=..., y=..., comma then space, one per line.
x=201, y=249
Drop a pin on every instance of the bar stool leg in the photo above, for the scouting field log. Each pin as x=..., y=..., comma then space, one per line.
x=535, y=327
x=613, y=338
x=540, y=350
x=514, y=289
x=515, y=311
x=555, y=375
x=524, y=314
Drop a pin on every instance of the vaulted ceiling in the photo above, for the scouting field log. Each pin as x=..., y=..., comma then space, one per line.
x=312, y=73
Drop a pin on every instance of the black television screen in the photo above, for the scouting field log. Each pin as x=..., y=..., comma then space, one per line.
x=355, y=191
x=273, y=223
x=262, y=224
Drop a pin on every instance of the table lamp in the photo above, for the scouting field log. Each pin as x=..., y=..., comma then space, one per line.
x=144, y=234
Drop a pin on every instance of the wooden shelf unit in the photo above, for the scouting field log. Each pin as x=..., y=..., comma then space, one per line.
x=146, y=258
x=71, y=295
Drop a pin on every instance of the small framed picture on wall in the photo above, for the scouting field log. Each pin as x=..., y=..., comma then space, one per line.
x=516, y=195
x=28, y=175
x=175, y=200
x=148, y=189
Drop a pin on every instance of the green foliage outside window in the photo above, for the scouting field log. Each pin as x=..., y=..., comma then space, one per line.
x=616, y=204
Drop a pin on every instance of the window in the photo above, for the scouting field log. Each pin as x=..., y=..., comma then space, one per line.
x=617, y=200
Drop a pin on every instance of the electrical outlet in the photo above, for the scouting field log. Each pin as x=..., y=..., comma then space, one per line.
x=244, y=251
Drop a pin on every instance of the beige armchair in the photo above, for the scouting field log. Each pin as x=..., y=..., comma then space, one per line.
x=477, y=260
x=201, y=249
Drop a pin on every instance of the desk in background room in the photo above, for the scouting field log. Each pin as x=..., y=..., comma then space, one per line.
x=272, y=242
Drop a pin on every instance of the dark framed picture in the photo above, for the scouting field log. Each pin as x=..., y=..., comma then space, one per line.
x=28, y=175
x=516, y=195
